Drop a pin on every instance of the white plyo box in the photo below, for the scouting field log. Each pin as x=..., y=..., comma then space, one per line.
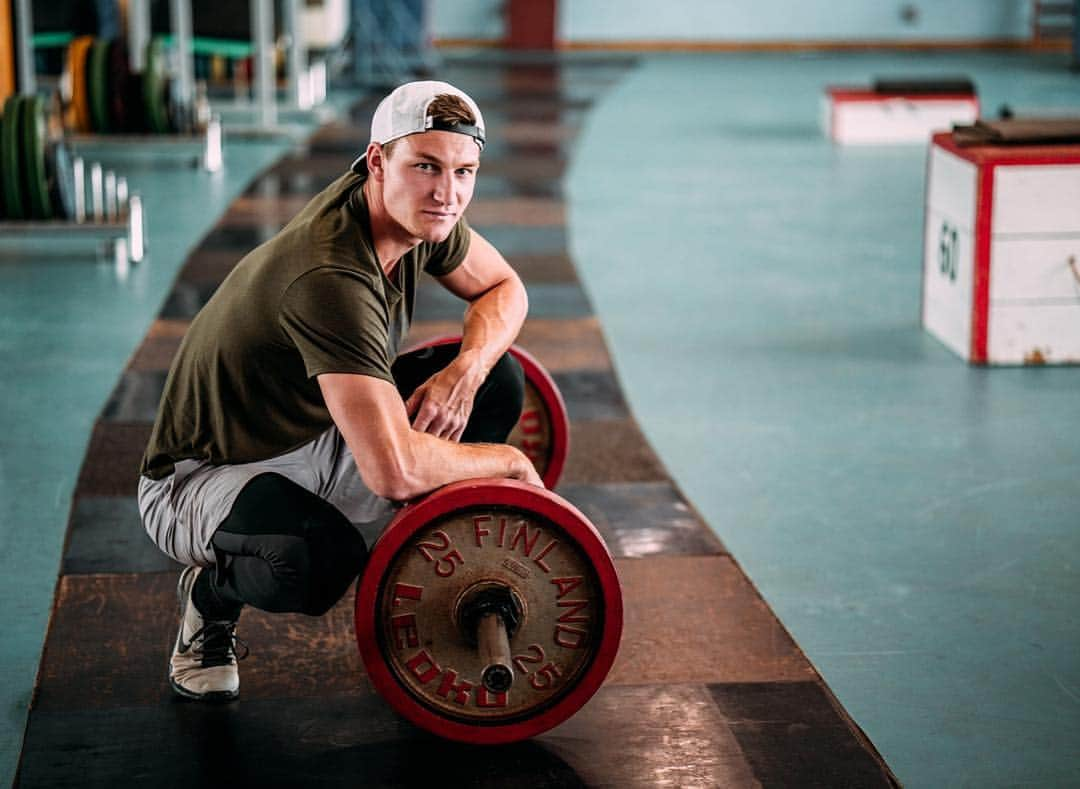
x=861, y=116
x=1001, y=252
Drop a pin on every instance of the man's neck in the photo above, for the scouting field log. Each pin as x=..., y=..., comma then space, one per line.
x=387, y=236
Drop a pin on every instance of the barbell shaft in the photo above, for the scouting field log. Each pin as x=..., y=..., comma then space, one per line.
x=494, y=648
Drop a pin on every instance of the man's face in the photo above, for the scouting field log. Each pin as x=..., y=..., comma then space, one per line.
x=428, y=183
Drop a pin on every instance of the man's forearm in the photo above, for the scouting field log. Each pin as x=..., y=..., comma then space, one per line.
x=429, y=463
x=492, y=323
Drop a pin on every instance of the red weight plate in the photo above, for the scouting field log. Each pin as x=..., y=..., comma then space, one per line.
x=549, y=456
x=119, y=82
x=458, y=500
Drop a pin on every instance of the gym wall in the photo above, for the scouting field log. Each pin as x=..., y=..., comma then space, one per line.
x=601, y=22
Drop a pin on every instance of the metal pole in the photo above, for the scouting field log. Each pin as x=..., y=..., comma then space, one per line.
x=79, y=170
x=299, y=86
x=212, y=158
x=136, y=235
x=361, y=20
x=24, y=47
x=138, y=33
x=97, y=193
x=1076, y=37
x=262, y=31
x=185, y=75
x=110, y=196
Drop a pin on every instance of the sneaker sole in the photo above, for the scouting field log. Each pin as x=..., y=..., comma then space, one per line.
x=214, y=696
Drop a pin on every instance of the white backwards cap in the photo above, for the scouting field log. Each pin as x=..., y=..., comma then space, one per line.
x=404, y=112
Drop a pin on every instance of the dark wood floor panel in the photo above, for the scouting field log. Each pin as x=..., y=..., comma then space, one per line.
x=521, y=240
x=526, y=211
x=503, y=185
x=112, y=460
x=558, y=344
x=610, y=450
x=793, y=735
x=698, y=619
x=257, y=210
x=159, y=346
x=206, y=265
x=640, y=519
x=737, y=735
x=676, y=737
x=154, y=353
x=238, y=239
x=591, y=394
x=111, y=635
x=303, y=174
x=136, y=396
x=651, y=736
x=524, y=132
x=106, y=535
x=543, y=268
x=546, y=301
x=186, y=299
x=540, y=110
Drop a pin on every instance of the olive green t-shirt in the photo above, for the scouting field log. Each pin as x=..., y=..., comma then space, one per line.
x=311, y=300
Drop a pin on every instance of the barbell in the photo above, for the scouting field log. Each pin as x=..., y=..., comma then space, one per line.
x=489, y=612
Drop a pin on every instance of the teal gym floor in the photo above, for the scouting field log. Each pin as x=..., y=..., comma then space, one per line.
x=912, y=520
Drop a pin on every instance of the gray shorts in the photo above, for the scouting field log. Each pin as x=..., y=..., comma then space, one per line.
x=182, y=511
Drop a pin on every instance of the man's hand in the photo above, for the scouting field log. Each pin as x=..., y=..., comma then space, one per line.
x=524, y=470
x=442, y=404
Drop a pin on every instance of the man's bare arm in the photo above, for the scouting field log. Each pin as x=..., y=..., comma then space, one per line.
x=497, y=300
x=400, y=463
x=497, y=308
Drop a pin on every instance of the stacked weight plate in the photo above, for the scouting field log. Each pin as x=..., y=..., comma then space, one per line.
x=36, y=177
x=103, y=95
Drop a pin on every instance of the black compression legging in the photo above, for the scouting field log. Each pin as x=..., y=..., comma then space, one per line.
x=282, y=548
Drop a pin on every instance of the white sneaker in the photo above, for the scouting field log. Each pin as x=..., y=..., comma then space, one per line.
x=203, y=662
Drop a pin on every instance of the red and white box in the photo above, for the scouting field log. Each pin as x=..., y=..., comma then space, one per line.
x=1001, y=252
x=864, y=116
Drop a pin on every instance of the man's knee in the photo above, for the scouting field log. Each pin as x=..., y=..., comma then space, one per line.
x=313, y=572
x=337, y=554
x=508, y=378
x=311, y=550
x=498, y=403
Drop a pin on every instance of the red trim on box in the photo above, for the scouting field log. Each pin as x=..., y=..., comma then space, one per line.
x=848, y=94
x=980, y=289
x=1010, y=154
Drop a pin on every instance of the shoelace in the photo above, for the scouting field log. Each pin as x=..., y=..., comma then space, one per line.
x=219, y=643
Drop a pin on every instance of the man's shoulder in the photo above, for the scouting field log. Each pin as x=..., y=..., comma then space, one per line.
x=335, y=274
